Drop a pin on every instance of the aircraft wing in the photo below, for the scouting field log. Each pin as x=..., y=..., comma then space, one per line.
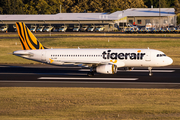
x=94, y=63
x=84, y=62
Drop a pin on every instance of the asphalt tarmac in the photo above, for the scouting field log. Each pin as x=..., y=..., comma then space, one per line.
x=74, y=76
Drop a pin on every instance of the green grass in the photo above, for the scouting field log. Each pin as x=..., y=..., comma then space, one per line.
x=89, y=103
x=14, y=34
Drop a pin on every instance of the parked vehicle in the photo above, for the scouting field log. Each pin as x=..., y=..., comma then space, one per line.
x=155, y=30
x=142, y=30
x=172, y=30
x=100, y=28
x=33, y=28
x=84, y=28
x=131, y=29
x=91, y=29
x=3, y=28
x=40, y=29
x=134, y=29
x=55, y=29
x=76, y=28
x=178, y=30
x=163, y=30
x=14, y=26
x=63, y=29
x=127, y=30
x=148, y=30
x=48, y=28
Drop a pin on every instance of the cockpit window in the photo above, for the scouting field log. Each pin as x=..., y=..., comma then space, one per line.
x=160, y=55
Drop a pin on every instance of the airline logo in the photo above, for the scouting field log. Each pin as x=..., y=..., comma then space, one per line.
x=27, y=39
x=51, y=61
x=122, y=56
x=115, y=61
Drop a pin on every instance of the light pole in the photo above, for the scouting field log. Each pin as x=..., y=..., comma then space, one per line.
x=159, y=14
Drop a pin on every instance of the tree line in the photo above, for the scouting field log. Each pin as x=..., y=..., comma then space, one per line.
x=77, y=6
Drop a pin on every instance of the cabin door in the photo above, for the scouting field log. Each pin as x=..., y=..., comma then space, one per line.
x=43, y=56
x=148, y=56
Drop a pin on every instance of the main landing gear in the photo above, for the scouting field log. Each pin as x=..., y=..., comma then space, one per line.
x=150, y=71
x=92, y=71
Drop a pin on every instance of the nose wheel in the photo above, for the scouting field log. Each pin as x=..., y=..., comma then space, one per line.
x=150, y=71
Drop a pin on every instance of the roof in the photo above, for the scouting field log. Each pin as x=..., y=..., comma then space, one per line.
x=149, y=12
x=93, y=16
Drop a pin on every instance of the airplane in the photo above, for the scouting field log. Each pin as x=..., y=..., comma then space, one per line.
x=103, y=61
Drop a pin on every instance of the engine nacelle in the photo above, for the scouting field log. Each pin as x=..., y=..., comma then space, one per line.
x=107, y=69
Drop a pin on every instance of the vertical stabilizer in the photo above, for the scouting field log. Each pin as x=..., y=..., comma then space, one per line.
x=27, y=39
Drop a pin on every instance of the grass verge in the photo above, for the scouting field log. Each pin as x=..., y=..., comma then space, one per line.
x=89, y=103
x=44, y=34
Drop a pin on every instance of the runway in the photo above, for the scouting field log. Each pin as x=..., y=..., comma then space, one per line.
x=73, y=76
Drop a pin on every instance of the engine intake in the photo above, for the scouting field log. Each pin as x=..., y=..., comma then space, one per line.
x=107, y=69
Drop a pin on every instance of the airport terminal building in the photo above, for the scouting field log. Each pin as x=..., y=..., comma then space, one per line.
x=114, y=21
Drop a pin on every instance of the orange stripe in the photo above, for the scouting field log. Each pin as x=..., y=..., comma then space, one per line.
x=28, y=41
x=33, y=38
x=19, y=35
x=24, y=41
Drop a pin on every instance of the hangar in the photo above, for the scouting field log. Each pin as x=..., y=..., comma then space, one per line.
x=111, y=21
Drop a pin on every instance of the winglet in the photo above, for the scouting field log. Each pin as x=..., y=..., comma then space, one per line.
x=27, y=39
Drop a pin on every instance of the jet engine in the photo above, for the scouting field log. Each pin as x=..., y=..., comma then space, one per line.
x=107, y=69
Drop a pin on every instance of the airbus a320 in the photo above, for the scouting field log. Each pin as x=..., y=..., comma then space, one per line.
x=104, y=61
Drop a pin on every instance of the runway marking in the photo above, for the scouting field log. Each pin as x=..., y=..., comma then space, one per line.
x=145, y=83
x=43, y=74
x=147, y=70
x=67, y=78
x=136, y=70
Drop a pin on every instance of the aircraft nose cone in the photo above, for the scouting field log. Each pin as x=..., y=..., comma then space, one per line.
x=170, y=61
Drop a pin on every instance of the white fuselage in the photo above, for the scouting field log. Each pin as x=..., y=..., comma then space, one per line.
x=120, y=57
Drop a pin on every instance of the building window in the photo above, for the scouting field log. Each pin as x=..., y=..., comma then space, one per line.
x=147, y=21
x=156, y=21
x=131, y=21
x=165, y=21
x=139, y=22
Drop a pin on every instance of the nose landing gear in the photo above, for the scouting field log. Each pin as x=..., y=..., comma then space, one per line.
x=150, y=71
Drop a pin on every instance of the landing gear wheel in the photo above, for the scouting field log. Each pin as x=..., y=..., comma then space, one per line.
x=150, y=74
x=90, y=74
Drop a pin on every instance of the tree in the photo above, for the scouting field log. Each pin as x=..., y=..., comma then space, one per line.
x=43, y=7
x=75, y=6
x=177, y=10
x=30, y=8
